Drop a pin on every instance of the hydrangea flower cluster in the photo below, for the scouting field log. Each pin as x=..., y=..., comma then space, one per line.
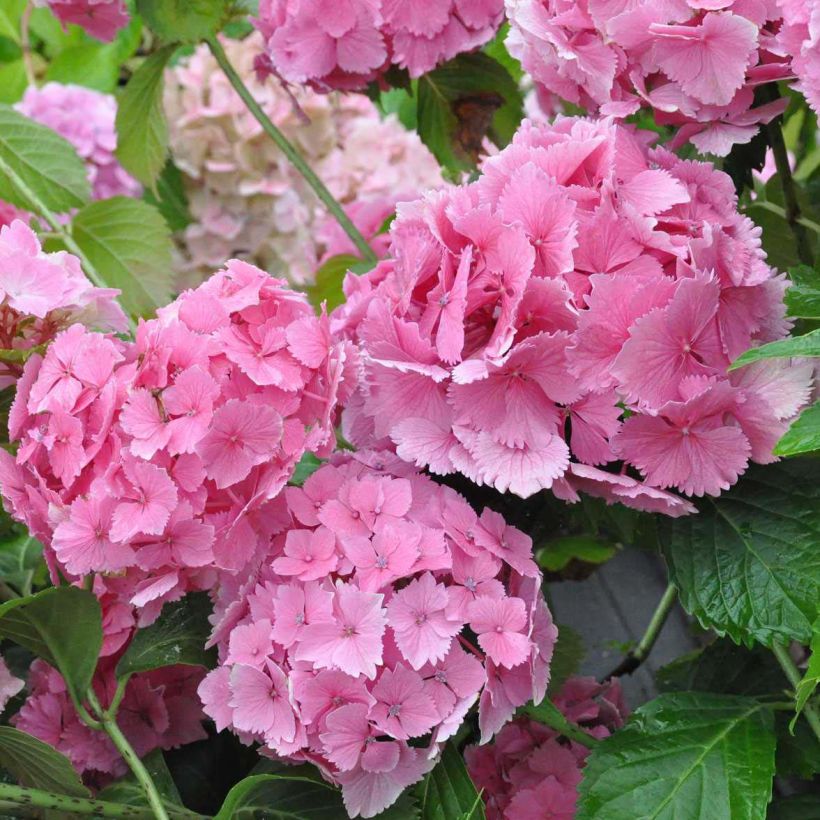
x=160, y=710
x=100, y=18
x=696, y=64
x=155, y=461
x=348, y=45
x=800, y=37
x=10, y=685
x=245, y=198
x=529, y=772
x=384, y=609
x=86, y=119
x=577, y=305
x=42, y=293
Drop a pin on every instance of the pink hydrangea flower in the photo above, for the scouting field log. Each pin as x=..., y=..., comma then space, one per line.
x=569, y=316
x=86, y=119
x=9, y=684
x=367, y=669
x=42, y=293
x=160, y=710
x=696, y=65
x=158, y=462
x=248, y=202
x=800, y=37
x=100, y=18
x=527, y=773
x=346, y=46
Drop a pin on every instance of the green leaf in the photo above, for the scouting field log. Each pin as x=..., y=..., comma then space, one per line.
x=37, y=765
x=748, y=566
x=184, y=21
x=129, y=244
x=327, y=286
x=17, y=356
x=13, y=81
x=566, y=657
x=462, y=102
x=170, y=198
x=142, y=130
x=803, y=295
x=298, y=794
x=807, y=686
x=10, y=13
x=804, y=434
x=808, y=345
x=447, y=793
x=46, y=163
x=94, y=66
x=556, y=554
x=19, y=559
x=306, y=467
x=179, y=635
x=62, y=625
x=686, y=756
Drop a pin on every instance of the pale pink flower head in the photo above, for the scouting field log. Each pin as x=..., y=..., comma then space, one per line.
x=509, y=341
x=100, y=18
x=9, y=684
x=369, y=628
x=85, y=118
x=695, y=65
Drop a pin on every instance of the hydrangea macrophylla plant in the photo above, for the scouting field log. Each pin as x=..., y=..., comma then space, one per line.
x=155, y=462
x=100, y=18
x=348, y=45
x=43, y=293
x=383, y=610
x=800, y=37
x=529, y=771
x=86, y=119
x=160, y=710
x=696, y=64
x=247, y=200
x=583, y=274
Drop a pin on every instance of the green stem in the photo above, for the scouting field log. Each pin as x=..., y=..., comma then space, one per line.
x=784, y=173
x=290, y=152
x=547, y=713
x=58, y=229
x=644, y=646
x=21, y=797
x=110, y=727
x=793, y=674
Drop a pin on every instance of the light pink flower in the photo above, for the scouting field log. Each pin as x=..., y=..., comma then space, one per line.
x=260, y=702
x=402, y=709
x=498, y=624
x=308, y=555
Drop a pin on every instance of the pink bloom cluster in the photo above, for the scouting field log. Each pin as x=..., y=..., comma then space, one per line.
x=248, y=201
x=160, y=710
x=42, y=293
x=155, y=461
x=385, y=608
x=10, y=685
x=581, y=276
x=800, y=37
x=349, y=44
x=696, y=64
x=100, y=18
x=86, y=119
x=529, y=772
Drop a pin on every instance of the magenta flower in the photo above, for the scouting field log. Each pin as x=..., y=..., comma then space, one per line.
x=100, y=18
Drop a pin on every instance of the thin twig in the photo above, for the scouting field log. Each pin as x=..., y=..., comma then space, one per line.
x=644, y=646
x=295, y=158
x=21, y=797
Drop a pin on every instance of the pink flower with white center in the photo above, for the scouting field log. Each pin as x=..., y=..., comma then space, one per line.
x=186, y=541
x=249, y=644
x=243, y=434
x=505, y=542
x=352, y=641
x=142, y=419
x=261, y=703
x=64, y=442
x=147, y=503
x=385, y=557
x=499, y=625
x=418, y=617
x=308, y=555
x=458, y=676
x=297, y=605
x=327, y=690
x=189, y=402
x=403, y=709
x=366, y=502
x=350, y=738
x=83, y=542
x=306, y=501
